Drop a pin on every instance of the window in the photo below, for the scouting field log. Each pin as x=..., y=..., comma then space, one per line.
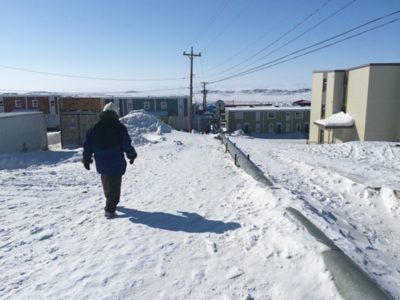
x=1, y=103
x=147, y=105
x=164, y=105
x=298, y=115
x=271, y=115
x=35, y=103
x=51, y=103
x=18, y=103
x=239, y=115
x=324, y=85
x=288, y=116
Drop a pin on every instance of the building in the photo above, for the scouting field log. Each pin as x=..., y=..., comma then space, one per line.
x=302, y=102
x=46, y=104
x=268, y=119
x=222, y=105
x=173, y=110
x=370, y=94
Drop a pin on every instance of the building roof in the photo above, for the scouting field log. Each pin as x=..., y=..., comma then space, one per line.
x=239, y=103
x=268, y=108
x=16, y=114
x=359, y=67
x=302, y=102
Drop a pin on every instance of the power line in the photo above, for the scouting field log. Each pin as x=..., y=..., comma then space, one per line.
x=86, y=77
x=163, y=90
x=283, y=59
x=298, y=36
x=223, y=5
x=276, y=40
x=104, y=92
x=229, y=25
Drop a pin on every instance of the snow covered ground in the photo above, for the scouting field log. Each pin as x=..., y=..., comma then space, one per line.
x=191, y=225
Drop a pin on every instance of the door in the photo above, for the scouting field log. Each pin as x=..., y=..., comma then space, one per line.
x=278, y=128
x=246, y=127
x=271, y=127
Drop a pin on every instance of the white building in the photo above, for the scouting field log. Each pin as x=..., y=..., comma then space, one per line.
x=22, y=132
x=370, y=94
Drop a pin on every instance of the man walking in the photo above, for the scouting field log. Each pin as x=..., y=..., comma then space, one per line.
x=108, y=140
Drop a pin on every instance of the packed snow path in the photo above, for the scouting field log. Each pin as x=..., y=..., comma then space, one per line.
x=190, y=226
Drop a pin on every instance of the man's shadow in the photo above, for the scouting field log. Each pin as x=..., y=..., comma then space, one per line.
x=186, y=222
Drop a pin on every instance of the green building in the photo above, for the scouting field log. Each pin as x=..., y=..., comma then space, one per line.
x=268, y=119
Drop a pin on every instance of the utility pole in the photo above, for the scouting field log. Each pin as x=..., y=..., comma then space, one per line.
x=204, y=96
x=191, y=55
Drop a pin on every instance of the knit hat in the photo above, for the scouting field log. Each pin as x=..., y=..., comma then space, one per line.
x=111, y=106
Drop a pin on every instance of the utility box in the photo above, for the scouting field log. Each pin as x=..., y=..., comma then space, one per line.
x=22, y=132
x=74, y=126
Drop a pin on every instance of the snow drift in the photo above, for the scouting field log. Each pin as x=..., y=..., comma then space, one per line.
x=141, y=123
x=339, y=119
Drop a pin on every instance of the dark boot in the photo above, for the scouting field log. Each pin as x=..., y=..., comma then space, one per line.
x=112, y=191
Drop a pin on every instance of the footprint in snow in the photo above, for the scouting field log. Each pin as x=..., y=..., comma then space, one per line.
x=46, y=235
x=212, y=247
x=235, y=273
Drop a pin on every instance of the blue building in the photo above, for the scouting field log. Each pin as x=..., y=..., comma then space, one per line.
x=172, y=110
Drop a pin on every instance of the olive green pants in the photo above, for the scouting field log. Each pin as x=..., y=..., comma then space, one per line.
x=112, y=191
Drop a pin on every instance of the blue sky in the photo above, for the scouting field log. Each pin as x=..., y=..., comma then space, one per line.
x=143, y=41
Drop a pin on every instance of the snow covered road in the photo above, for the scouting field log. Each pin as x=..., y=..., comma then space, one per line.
x=190, y=225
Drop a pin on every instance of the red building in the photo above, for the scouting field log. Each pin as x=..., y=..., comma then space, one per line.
x=47, y=104
x=302, y=103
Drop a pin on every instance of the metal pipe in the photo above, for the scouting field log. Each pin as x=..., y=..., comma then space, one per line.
x=350, y=280
x=243, y=161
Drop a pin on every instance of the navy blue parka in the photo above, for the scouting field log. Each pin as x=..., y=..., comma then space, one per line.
x=108, y=140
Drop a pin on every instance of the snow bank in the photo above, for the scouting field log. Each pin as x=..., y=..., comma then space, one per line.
x=340, y=119
x=35, y=159
x=144, y=128
x=238, y=132
x=53, y=138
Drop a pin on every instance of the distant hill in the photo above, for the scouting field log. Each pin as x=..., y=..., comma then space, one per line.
x=262, y=91
x=255, y=92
